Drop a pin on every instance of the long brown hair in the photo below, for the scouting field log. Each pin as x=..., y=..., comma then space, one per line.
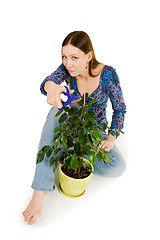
x=82, y=41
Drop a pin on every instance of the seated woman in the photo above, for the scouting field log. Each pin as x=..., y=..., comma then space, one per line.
x=84, y=74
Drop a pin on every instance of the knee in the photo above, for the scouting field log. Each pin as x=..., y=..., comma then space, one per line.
x=117, y=164
x=115, y=169
x=119, y=169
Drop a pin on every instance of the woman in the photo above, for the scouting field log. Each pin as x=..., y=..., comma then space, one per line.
x=84, y=74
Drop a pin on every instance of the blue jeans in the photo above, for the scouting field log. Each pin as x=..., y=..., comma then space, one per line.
x=44, y=178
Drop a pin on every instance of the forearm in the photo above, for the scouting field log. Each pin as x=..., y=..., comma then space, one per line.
x=57, y=77
x=117, y=123
x=118, y=104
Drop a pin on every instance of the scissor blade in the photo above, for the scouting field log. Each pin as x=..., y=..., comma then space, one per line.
x=75, y=102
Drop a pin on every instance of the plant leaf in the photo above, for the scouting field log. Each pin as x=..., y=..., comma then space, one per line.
x=93, y=101
x=56, y=137
x=51, y=161
x=106, y=158
x=94, y=139
x=83, y=141
x=91, y=116
x=104, y=126
x=92, y=160
x=46, y=148
x=97, y=135
x=58, y=113
x=40, y=156
x=120, y=131
x=57, y=129
x=77, y=147
x=83, y=110
x=84, y=164
x=80, y=133
x=64, y=141
x=99, y=155
x=56, y=143
x=63, y=118
x=57, y=150
x=89, y=150
x=49, y=152
x=69, y=142
x=64, y=126
x=74, y=163
x=102, y=150
x=66, y=109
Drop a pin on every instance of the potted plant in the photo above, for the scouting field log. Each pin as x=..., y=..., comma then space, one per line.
x=76, y=137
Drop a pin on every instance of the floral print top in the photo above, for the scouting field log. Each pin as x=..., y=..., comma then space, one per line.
x=109, y=87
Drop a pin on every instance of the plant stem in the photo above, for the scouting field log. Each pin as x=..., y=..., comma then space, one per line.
x=84, y=103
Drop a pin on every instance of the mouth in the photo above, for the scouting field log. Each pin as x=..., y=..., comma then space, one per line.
x=71, y=71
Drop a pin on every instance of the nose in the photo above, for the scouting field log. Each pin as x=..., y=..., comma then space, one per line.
x=68, y=64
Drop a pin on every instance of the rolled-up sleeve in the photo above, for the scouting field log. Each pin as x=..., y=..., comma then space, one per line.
x=118, y=105
x=57, y=77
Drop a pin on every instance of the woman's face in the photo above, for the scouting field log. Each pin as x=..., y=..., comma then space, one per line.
x=75, y=60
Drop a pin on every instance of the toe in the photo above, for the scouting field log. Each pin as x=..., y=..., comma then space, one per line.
x=27, y=217
x=34, y=218
x=32, y=221
x=24, y=213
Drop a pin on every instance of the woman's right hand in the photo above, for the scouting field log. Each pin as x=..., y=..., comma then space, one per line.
x=53, y=93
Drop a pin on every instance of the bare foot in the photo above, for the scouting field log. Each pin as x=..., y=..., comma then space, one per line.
x=34, y=209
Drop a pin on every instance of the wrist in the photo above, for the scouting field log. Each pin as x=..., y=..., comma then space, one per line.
x=111, y=137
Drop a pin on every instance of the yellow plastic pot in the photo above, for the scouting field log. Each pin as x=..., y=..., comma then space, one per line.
x=72, y=187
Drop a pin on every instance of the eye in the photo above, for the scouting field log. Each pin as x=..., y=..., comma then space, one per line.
x=74, y=58
x=63, y=57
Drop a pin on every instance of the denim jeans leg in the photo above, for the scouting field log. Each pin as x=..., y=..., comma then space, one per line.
x=117, y=163
x=44, y=178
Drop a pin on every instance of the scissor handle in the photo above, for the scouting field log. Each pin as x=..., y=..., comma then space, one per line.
x=68, y=95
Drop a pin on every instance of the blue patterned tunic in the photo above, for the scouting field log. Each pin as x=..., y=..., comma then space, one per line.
x=109, y=87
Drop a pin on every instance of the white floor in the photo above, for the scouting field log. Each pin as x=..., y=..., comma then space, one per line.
x=124, y=207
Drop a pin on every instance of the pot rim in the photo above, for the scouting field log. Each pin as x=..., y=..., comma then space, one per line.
x=77, y=179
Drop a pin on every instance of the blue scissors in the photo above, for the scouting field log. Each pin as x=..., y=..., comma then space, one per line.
x=71, y=100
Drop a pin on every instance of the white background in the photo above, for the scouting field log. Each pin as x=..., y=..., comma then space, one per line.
x=124, y=35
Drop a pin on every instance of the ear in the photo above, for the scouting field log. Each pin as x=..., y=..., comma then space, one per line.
x=90, y=55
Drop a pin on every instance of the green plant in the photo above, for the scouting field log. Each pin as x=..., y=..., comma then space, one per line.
x=77, y=136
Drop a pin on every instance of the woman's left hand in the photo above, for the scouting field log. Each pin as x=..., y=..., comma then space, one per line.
x=107, y=144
